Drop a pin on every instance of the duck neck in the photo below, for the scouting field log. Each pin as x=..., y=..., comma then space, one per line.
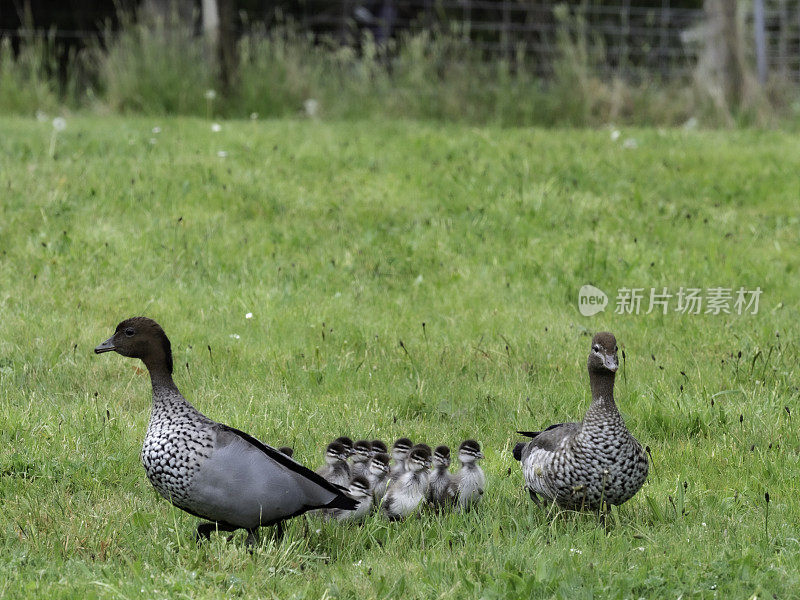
x=602, y=384
x=160, y=377
x=603, y=412
x=166, y=395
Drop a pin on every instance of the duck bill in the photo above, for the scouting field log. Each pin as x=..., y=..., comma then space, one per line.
x=107, y=346
x=611, y=363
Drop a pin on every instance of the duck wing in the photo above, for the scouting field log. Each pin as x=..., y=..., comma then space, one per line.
x=535, y=457
x=533, y=434
x=548, y=439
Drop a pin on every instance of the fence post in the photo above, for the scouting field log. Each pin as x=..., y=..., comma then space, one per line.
x=761, y=41
x=211, y=22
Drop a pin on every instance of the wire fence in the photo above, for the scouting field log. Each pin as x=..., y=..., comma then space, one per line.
x=623, y=37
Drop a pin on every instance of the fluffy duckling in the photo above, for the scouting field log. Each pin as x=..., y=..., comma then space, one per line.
x=211, y=470
x=378, y=447
x=286, y=450
x=400, y=451
x=336, y=469
x=470, y=480
x=362, y=453
x=361, y=492
x=442, y=491
x=584, y=465
x=405, y=493
x=347, y=443
x=378, y=475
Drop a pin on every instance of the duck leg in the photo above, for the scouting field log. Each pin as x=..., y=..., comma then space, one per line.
x=252, y=538
x=278, y=531
x=204, y=530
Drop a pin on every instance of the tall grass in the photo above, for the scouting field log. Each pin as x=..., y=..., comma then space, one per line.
x=28, y=78
x=154, y=66
x=161, y=66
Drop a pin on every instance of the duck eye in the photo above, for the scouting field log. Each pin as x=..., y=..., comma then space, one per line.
x=129, y=332
x=596, y=348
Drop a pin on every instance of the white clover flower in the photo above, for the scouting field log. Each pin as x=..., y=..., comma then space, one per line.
x=253, y=116
x=248, y=316
x=156, y=129
x=235, y=336
x=630, y=144
x=210, y=94
x=615, y=135
x=222, y=153
x=153, y=140
x=59, y=123
x=41, y=116
x=216, y=127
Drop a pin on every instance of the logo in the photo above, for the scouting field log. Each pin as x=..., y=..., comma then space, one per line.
x=591, y=300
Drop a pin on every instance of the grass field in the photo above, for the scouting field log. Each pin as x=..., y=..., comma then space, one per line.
x=342, y=239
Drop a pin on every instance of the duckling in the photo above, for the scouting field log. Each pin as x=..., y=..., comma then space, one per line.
x=286, y=450
x=400, y=451
x=597, y=461
x=378, y=475
x=347, y=443
x=442, y=491
x=336, y=469
x=470, y=480
x=211, y=470
x=361, y=492
x=362, y=452
x=405, y=494
x=378, y=447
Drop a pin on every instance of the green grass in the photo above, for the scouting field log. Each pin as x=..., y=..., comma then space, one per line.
x=343, y=239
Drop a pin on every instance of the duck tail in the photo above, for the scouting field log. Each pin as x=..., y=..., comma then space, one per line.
x=518, y=450
x=343, y=502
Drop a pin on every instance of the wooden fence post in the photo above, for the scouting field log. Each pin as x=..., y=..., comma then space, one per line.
x=761, y=41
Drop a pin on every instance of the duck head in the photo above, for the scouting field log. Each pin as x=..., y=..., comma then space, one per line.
x=378, y=447
x=143, y=338
x=362, y=451
x=359, y=487
x=469, y=452
x=347, y=443
x=401, y=448
x=603, y=354
x=379, y=465
x=335, y=453
x=419, y=459
x=441, y=457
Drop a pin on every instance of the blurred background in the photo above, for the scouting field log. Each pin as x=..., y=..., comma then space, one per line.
x=512, y=62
